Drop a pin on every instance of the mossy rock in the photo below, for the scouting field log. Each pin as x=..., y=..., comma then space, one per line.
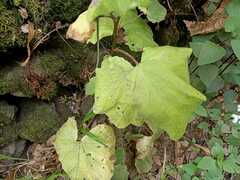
x=37, y=121
x=66, y=11
x=13, y=81
x=48, y=64
x=10, y=32
x=7, y=113
x=65, y=61
x=8, y=134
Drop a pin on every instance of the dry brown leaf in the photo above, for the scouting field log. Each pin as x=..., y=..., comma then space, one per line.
x=82, y=29
x=213, y=24
x=31, y=34
x=23, y=13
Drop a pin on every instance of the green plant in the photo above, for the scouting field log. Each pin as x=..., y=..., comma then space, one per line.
x=128, y=91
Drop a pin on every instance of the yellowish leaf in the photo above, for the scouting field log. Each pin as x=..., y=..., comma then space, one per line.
x=82, y=29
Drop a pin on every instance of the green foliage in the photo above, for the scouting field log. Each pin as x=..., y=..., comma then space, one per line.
x=134, y=26
x=236, y=47
x=120, y=168
x=207, y=52
x=106, y=30
x=155, y=11
x=208, y=74
x=232, y=23
x=154, y=90
x=80, y=158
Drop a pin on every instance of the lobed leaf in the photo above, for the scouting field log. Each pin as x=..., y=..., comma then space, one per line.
x=156, y=91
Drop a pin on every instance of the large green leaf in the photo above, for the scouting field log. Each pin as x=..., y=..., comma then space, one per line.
x=156, y=91
x=87, y=158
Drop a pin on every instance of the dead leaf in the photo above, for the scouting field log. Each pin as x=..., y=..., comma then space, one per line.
x=31, y=34
x=23, y=12
x=204, y=149
x=82, y=29
x=213, y=24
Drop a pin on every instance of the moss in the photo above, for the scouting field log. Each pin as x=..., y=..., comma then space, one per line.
x=80, y=59
x=10, y=33
x=66, y=11
x=49, y=64
x=4, y=87
x=12, y=81
x=36, y=10
x=38, y=121
x=8, y=134
x=7, y=113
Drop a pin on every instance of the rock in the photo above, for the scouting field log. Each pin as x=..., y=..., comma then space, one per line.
x=14, y=149
x=37, y=121
x=8, y=134
x=13, y=81
x=59, y=66
x=7, y=113
x=63, y=109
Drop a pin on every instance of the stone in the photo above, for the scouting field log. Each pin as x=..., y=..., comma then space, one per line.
x=37, y=121
x=7, y=113
x=8, y=134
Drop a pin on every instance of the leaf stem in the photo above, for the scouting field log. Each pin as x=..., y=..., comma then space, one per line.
x=125, y=54
x=98, y=44
x=115, y=31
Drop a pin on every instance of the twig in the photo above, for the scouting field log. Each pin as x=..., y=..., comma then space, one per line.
x=44, y=38
x=164, y=161
x=194, y=70
x=40, y=41
x=126, y=54
x=195, y=13
x=205, y=149
x=169, y=5
x=67, y=43
x=227, y=66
